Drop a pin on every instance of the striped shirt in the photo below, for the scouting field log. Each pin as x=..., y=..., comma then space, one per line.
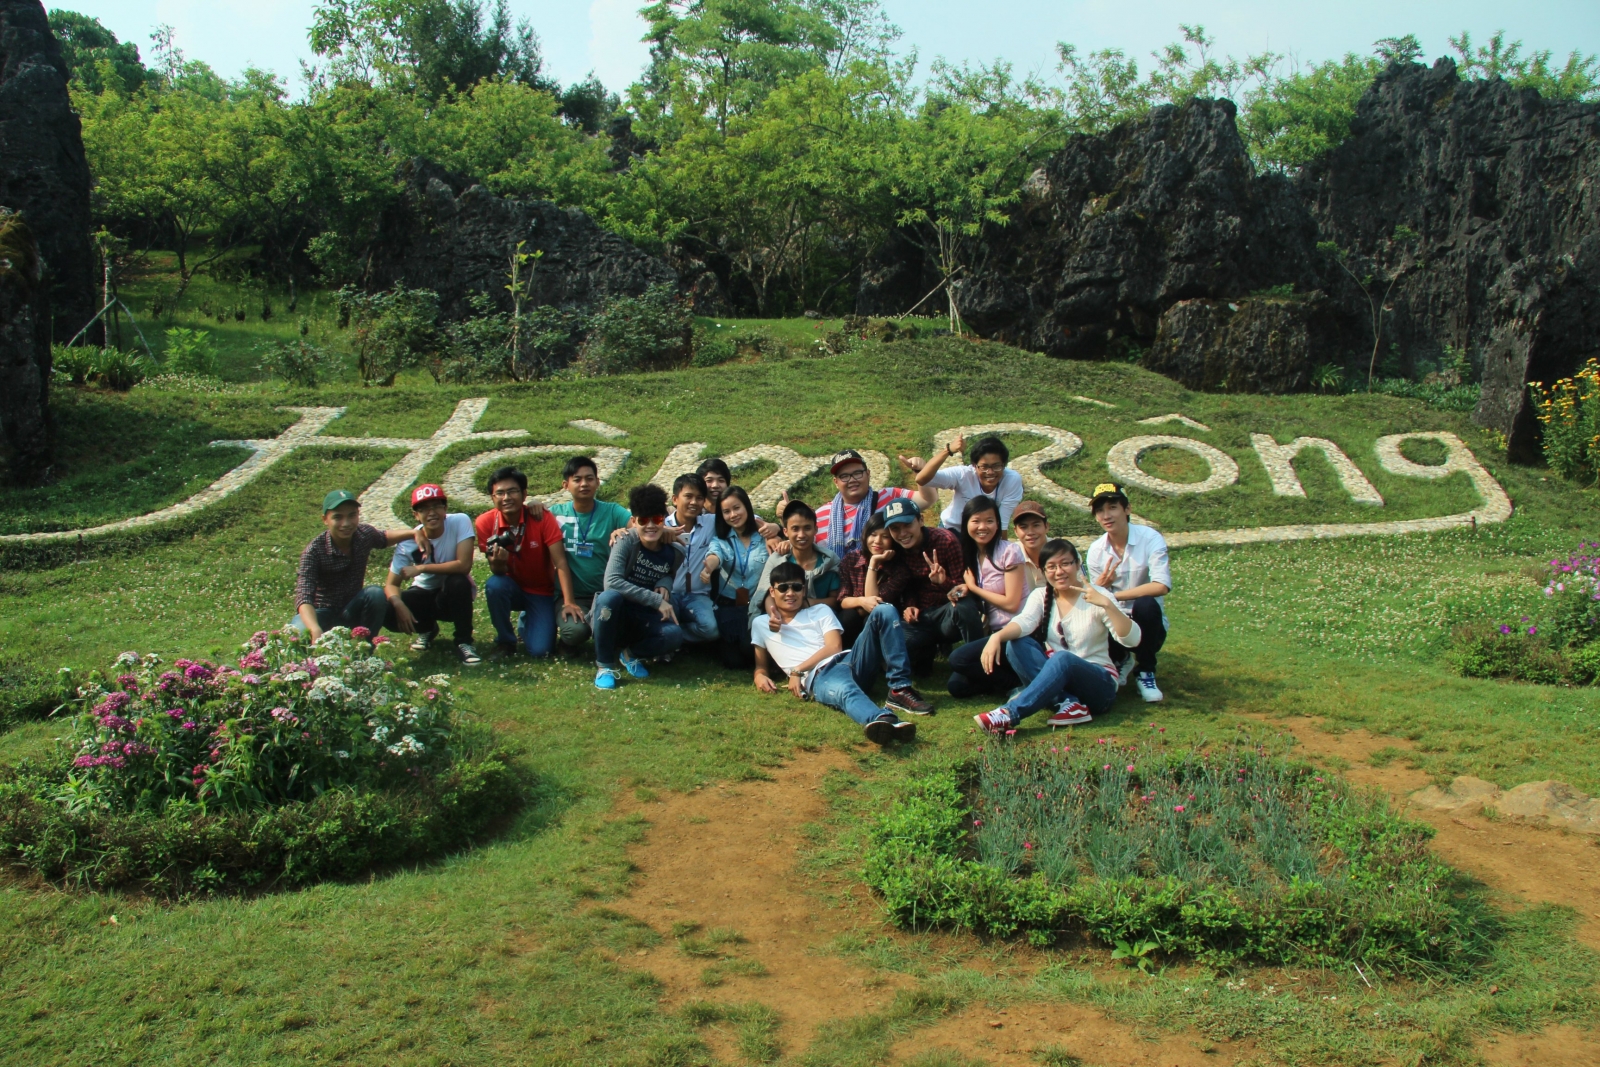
x=825, y=511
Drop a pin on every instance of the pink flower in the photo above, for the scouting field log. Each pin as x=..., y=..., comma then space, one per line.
x=188, y=725
x=361, y=633
x=1177, y=808
x=431, y=693
x=380, y=640
x=1130, y=768
x=1038, y=796
x=1028, y=845
x=1107, y=767
x=977, y=822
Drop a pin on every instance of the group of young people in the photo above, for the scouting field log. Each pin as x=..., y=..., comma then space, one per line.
x=823, y=601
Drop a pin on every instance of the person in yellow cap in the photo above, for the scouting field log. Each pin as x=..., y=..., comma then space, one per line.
x=1130, y=563
x=328, y=588
x=438, y=564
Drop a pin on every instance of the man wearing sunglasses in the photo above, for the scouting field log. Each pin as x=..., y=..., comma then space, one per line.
x=806, y=642
x=633, y=619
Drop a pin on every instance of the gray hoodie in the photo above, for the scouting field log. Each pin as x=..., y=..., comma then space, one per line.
x=630, y=572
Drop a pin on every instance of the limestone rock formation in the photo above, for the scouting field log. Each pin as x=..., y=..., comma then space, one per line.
x=46, y=263
x=456, y=238
x=1500, y=187
x=1123, y=225
x=1476, y=198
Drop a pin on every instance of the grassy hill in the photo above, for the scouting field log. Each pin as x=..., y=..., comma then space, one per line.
x=395, y=971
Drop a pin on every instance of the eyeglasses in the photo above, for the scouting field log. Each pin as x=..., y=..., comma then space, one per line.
x=851, y=475
x=990, y=468
x=1060, y=564
x=790, y=587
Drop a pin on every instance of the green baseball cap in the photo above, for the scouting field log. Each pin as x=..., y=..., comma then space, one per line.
x=337, y=497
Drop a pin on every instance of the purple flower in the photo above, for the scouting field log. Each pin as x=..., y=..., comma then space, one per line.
x=1532, y=630
x=197, y=672
x=188, y=726
x=1504, y=628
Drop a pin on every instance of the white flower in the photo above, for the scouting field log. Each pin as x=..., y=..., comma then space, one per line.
x=341, y=754
x=128, y=659
x=380, y=735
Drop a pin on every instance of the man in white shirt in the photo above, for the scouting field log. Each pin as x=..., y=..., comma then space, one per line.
x=1131, y=562
x=988, y=476
x=439, y=565
x=806, y=642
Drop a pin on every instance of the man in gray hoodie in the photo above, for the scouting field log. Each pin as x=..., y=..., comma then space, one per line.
x=633, y=617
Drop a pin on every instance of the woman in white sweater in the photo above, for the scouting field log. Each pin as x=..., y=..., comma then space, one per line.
x=1059, y=645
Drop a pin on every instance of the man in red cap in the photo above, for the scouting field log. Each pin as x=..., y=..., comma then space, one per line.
x=439, y=567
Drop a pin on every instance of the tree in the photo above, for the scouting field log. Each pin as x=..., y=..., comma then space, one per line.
x=428, y=47
x=1578, y=79
x=94, y=56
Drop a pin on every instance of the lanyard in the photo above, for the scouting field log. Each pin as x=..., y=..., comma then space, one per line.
x=583, y=530
x=740, y=562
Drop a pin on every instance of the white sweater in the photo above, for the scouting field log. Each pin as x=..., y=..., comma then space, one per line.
x=1085, y=631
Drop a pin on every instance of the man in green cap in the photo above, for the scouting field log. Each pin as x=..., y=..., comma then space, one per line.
x=329, y=590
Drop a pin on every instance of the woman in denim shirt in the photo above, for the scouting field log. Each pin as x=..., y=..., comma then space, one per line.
x=737, y=557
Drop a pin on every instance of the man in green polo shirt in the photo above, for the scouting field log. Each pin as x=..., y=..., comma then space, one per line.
x=586, y=528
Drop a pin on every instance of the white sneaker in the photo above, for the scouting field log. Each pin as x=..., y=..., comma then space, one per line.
x=422, y=641
x=1148, y=688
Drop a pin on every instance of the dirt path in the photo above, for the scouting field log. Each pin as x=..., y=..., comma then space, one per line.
x=1526, y=864
x=726, y=858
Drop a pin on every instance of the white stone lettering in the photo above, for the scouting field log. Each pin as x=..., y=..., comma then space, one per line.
x=1123, y=462
x=1279, y=462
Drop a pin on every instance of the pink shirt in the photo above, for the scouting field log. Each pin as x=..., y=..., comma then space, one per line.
x=1008, y=556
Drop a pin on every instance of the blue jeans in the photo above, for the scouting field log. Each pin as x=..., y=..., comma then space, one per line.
x=697, y=615
x=1061, y=675
x=538, y=614
x=881, y=648
x=619, y=623
x=368, y=608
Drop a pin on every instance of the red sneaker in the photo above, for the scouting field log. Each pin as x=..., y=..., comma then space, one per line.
x=1071, y=713
x=995, y=722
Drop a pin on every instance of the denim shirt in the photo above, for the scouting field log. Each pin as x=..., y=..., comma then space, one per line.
x=698, y=544
x=754, y=563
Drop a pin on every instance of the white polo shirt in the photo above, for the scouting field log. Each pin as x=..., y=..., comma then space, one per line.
x=963, y=481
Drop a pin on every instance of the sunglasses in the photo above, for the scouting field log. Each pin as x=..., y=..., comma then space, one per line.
x=652, y=520
x=790, y=587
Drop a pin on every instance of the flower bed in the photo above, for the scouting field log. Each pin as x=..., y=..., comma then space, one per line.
x=1558, y=644
x=301, y=762
x=1231, y=855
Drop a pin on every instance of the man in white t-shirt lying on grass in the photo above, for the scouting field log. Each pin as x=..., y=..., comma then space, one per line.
x=806, y=642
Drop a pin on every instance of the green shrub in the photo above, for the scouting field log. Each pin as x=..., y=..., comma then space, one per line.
x=391, y=331
x=190, y=352
x=1491, y=650
x=654, y=331
x=72, y=365
x=1233, y=855
x=119, y=370
x=299, y=362
x=713, y=347
x=1560, y=645
x=300, y=763
x=493, y=345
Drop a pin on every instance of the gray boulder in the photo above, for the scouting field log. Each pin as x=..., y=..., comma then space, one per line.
x=46, y=262
x=456, y=238
x=1254, y=345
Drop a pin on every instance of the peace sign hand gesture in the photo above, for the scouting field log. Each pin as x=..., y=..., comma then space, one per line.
x=1096, y=596
x=936, y=571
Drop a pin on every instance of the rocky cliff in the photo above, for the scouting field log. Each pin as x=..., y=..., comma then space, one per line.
x=1159, y=240
x=46, y=262
x=456, y=238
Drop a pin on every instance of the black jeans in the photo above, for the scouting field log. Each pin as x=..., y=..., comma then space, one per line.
x=948, y=624
x=733, y=634
x=450, y=601
x=966, y=672
x=1152, y=633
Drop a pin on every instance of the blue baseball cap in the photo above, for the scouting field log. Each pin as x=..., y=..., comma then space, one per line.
x=900, y=511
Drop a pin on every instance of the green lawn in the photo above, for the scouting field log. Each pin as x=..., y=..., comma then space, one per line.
x=499, y=955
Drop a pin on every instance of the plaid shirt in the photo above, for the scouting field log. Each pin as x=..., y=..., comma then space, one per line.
x=946, y=547
x=893, y=579
x=329, y=578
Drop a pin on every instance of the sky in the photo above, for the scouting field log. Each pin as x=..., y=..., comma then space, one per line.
x=602, y=36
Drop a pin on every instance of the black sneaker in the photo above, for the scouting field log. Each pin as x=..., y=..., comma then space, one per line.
x=909, y=701
x=905, y=731
x=880, y=731
x=468, y=655
x=502, y=650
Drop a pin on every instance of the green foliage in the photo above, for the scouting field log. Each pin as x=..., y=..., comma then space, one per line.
x=1560, y=645
x=391, y=331
x=1499, y=650
x=72, y=365
x=714, y=347
x=299, y=361
x=1231, y=855
x=1290, y=121
x=654, y=331
x=118, y=370
x=189, y=352
x=1577, y=79
x=25, y=692
x=1569, y=412
x=95, y=58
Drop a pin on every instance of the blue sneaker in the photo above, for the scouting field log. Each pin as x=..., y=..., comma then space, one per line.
x=633, y=666
x=605, y=678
